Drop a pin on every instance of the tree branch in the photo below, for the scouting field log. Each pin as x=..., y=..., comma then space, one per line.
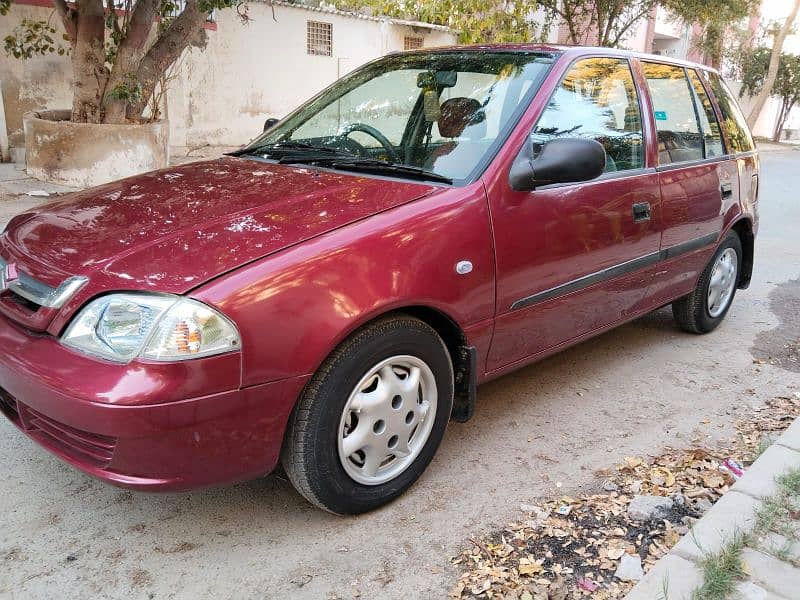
x=165, y=51
x=774, y=63
x=68, y=18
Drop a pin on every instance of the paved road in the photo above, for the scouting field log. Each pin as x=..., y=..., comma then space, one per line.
x=540, y=431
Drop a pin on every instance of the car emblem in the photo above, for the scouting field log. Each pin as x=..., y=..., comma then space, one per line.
x=8, y=274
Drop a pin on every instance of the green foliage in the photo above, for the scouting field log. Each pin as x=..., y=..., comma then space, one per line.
x=4, y=6
x=612, y=21
x=714, y=17
x=32, y=38
x=752, y=69
x=476, y=21
x=130, y=90
x=721, y=571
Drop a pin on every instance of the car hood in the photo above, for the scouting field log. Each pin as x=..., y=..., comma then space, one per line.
x=172, y=230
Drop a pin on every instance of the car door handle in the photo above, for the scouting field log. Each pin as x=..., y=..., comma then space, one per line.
x=641, y=212
x=726, y=190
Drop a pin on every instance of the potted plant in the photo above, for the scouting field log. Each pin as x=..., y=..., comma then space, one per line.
x=120, y=54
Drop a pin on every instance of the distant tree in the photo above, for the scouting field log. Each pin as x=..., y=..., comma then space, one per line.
x=476, y=21
x=774, y=63
x=715, y=18
x=120, y=50
x=612, y=20
x=752, y=69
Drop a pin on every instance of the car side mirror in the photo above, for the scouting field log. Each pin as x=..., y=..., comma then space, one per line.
x=270, y=123
x=562, y=160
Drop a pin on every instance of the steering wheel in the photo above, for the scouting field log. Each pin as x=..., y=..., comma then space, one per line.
x=370, y=131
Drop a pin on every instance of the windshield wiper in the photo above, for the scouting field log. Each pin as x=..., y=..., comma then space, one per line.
x=284, y=148
x=302, y=152
x=381, y=166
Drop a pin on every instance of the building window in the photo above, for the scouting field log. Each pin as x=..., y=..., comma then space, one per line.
x=319, y=38
x=412, y=42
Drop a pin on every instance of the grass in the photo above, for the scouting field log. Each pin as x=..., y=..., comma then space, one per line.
x=790, y=482
x=776, y=512
x=764, y=442
x=724, y=569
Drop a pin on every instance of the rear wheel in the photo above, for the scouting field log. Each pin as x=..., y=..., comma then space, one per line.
x=706, y=307
x=371, y=419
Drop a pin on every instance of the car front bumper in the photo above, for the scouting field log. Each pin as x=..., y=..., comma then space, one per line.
x=149, y=426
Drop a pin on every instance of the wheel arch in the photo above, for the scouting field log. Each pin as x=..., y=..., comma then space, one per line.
x=461, y=354
x=744, y=229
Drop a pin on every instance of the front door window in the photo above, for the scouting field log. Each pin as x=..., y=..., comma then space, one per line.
x=597, y=100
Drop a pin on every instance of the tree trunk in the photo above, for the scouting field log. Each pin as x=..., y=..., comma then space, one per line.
x=715, y=34
x=786, y=109
x=88, y=62
x=129, y=54
x=774, y=62
x=776, y=132
x=170, y=45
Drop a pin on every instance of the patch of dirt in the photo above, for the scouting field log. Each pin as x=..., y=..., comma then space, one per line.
x=781, y=346
x=177, y=549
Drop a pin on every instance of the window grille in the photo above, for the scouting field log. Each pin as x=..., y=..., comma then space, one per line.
x=319, y=38
x=412, y=42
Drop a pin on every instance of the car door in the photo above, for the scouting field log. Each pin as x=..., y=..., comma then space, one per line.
x=738, y=140
x=569, y=257
x=697, y=178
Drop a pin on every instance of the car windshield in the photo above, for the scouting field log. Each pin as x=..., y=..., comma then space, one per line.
x=437, y=114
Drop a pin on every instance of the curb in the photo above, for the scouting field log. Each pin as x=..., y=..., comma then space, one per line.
x=676, y=575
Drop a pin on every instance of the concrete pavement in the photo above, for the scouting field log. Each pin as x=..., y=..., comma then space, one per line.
x=16, y=189
x=772, y=561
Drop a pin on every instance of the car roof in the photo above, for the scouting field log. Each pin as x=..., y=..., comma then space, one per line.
x=568, y=51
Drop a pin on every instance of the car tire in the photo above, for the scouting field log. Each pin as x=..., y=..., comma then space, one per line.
x=705, y=308
x=363, y=390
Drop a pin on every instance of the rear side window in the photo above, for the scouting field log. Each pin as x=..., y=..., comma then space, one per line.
x=676, y=116
x=712, y=137
x=732, y=118
x=596, y=100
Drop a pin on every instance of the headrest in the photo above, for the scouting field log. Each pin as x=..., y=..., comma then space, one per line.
x=457, y=113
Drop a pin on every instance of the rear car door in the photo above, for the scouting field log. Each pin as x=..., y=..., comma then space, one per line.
x=570, y=256
x=739, y=143
x=696, y=175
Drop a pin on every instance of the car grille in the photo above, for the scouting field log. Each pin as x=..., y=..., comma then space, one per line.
x=88, y=448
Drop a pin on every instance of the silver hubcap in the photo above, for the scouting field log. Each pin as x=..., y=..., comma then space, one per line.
x=387, y=420
x=722, y=283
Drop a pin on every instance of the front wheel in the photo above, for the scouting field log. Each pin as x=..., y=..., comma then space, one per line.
x=371, y=419
x=703, y=309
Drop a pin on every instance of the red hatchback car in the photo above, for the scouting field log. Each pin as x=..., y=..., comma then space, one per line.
x=331, y=295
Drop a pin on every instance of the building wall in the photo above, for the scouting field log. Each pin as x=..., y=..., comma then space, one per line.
x=222, y=94
x=249, y=73
x=37, y=83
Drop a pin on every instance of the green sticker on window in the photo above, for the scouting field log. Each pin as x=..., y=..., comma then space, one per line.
x=661, y=115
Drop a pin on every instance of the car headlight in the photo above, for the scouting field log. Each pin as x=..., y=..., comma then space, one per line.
x=161, y=327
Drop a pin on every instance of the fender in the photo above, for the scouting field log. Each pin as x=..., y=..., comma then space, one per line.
x=305, y=300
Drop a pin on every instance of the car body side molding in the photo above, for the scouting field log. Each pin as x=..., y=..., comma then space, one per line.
x=616, y=270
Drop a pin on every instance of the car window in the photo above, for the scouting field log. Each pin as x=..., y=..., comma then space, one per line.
x=445, y=112
x=480, y=87
x=676, y=117
x=596, y=100
x=712, y=137
x=732, y=118
x=388, y=99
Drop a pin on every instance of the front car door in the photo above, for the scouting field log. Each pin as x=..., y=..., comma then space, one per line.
x=570, y=256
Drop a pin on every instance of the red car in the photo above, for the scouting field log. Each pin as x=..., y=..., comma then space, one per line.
x=331, y=295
